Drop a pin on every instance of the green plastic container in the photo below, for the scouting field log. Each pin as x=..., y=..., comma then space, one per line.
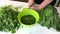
x=27, y=11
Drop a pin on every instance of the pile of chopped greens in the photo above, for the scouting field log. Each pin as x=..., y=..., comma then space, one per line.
x=28, y=20
x=8, y=19
x=49, y=17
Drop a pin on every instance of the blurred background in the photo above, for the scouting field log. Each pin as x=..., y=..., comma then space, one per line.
x=56, y=4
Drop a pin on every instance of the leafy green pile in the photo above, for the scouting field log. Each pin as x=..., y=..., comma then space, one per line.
x=28, y=20
x=49, y=17
x=8, y=19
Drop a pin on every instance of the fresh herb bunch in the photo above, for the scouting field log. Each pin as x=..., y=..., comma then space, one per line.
x=8, y=19
x=49, y=17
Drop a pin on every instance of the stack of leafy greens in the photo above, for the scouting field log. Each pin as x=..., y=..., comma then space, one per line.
x=8, y=19
x=49, y=17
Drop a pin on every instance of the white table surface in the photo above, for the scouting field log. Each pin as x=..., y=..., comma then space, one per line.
x=37, y=29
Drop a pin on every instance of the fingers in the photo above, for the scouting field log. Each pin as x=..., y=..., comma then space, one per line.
x=34, y=7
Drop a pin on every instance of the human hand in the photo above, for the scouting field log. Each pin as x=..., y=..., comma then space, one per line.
x=35, y=7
